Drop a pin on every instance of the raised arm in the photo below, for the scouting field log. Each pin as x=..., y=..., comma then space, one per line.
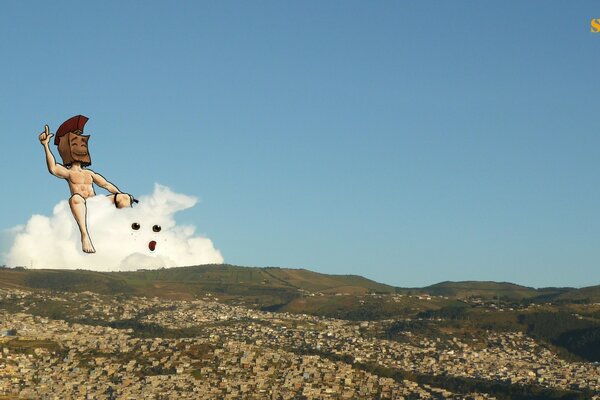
x=54, y=168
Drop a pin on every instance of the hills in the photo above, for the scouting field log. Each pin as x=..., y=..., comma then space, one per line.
x=566, y=318
x=270, y=284
x=481, y=289
x=496, y=290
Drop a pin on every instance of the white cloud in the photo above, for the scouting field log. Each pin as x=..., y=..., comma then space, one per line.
x=53, y=242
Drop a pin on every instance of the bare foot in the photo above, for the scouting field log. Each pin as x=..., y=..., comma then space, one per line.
x=87, y=246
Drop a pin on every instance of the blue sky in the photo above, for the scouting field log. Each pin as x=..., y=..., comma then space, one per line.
x=408, y=142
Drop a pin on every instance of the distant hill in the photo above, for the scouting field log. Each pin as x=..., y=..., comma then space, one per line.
x=271, y=285
x=590, y=294
x=489, y=290
x=268, y=286
x=483, y=289
x=63, y=280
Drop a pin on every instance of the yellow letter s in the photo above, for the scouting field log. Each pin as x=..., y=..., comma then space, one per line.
x=595, y=26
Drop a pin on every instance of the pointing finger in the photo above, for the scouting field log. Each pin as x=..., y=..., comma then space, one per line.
x=46, y=129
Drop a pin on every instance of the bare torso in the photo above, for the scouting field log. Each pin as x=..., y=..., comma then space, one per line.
x=81, y=181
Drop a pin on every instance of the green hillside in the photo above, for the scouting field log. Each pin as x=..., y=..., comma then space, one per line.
x=488, y=290
x=590, y=294
x=64, y=280
x=266, y=286
x=270, y=285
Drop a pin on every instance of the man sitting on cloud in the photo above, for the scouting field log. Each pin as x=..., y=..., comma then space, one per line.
x=127, y=239
x=73, y=149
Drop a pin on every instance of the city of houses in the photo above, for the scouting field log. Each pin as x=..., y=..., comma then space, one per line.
x=205, y=349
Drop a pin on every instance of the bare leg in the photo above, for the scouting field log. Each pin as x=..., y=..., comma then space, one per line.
x=79, y=210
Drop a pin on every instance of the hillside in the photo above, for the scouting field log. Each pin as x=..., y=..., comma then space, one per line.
x=566, y=318
x=590, y=294
x=481, y=289
x=271, y=285
x=267, y=286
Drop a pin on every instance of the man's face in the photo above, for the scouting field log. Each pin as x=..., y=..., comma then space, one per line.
x=79, y=146
x=74, y=147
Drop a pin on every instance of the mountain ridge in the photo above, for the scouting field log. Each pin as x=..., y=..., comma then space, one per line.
x=188, y=281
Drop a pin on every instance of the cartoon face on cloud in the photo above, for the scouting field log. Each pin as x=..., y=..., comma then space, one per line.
x=155, y=228
x=145, y=236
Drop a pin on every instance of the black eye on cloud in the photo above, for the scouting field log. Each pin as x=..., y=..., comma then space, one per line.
x=156, y=228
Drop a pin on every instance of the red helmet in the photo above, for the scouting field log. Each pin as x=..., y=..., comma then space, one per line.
x=73, y=124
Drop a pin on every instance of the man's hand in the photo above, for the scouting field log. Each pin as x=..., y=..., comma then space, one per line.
x=123, y=200
x=45, y=136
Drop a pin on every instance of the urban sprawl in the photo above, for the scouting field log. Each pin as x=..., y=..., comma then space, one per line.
x=235, y=352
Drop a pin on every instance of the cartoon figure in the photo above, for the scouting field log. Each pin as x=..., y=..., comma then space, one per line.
x=73, y=149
